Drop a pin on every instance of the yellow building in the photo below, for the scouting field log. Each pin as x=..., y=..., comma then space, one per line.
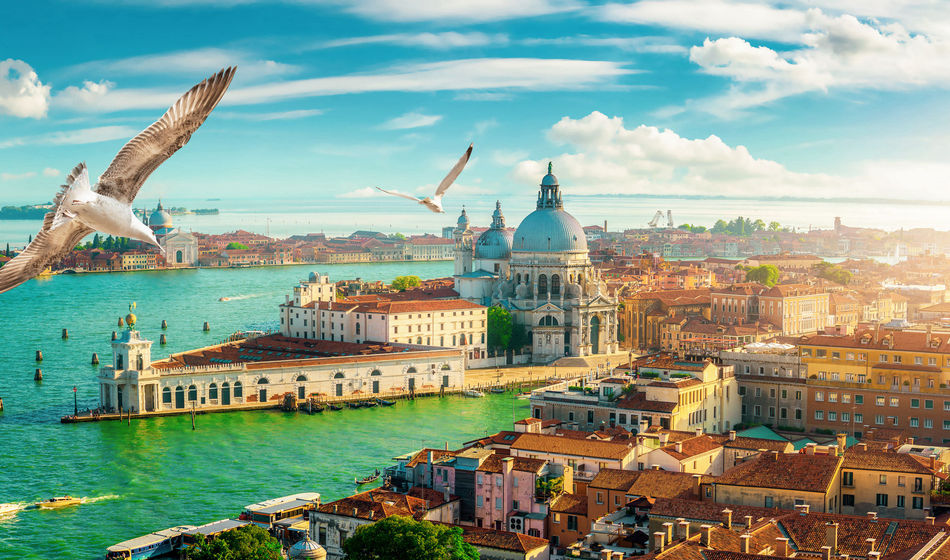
x=891, y=484
x=783, y=480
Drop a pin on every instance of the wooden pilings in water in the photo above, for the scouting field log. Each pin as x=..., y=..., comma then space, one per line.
x=65, y=334
x=39, y=355
x=1, y=404
x=38, y=376
x=164, y=324
x=121, y=323
x=206, y=327
x=95, y=359
x=163, y=340
x=114, y=335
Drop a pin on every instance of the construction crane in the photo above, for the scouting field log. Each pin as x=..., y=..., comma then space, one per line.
x=669, y=218
x=656, y=219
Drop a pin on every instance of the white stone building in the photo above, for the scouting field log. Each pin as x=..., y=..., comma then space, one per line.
x=543, y=275
x=181, y=248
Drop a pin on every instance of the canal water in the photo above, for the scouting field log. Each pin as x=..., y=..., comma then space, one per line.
x=157, y=473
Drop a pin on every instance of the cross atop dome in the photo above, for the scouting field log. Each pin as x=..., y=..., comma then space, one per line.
x=550, y=195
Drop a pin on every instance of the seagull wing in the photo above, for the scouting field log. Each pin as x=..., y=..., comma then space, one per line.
x=144, y=153
x=454, y=173
x=397, y=193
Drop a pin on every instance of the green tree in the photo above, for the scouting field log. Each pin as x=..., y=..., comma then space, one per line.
x=235, y=246
x=720, y=226
x=404, y=538
x=766, y=274
x=775, y=226
x=246, y=543
x=519, y=337
x=398, y=236
x=403, y=283
x=758, y=225
x=96, y=242
x=499, y=327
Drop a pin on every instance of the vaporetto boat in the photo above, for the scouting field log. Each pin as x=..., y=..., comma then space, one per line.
x=152, y=545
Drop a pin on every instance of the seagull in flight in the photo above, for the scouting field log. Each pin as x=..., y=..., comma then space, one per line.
x=78, y=210
x=435, y=203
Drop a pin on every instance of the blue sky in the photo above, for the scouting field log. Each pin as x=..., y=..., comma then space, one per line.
x=825, y=98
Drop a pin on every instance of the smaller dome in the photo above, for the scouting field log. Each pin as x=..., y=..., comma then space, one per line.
x=463, y=220
x=313, y=276
x=307, y=549
x=130, y=320
x=494, y=244
x=549, y=180
x=160, y=218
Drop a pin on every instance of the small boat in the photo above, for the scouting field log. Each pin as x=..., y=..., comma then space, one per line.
x=224, y=299
x=523, y=396
x=383, y=402
x=473, y=393
x=497, y=389
x=318, y=408
x=354, y=404
x=59, y=502
x=153, y=545
x=368, y=404
x=334, y=407
x=368, y=479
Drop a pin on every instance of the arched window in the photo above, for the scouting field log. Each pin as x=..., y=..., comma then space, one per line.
x=166, y=396
x=419, y=340
x=238, y=389
x=339, y=375
x=139, y=363
x=446, y=367
x=179, y=258
x=376, y=372
x=518, y=276
x=411, y=370
x=548, y=321
x=263, y=381
x=462, y=340
x=192, y=393
x=301, y=378
x=555, y=284
x=542, y=284
x=213, y=391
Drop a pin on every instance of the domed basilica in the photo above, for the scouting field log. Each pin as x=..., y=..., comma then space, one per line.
x=543, y=275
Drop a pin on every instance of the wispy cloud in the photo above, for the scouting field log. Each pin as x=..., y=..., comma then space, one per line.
x=467, y=10
x=535, y=74
x=21, y=92
x=50, y=172
x=274, y=116
x=410, y=120
x=194, y=61
x=484, y=96
x=365, y=192
x=641, y=44
x=16, y=176
x=68, y=137
x=443, y=40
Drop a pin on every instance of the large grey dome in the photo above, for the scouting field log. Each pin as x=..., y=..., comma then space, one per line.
x=550, y=229
x=494, y=244
x=160, y=218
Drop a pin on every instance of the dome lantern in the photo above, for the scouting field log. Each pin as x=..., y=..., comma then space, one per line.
x=550, y=194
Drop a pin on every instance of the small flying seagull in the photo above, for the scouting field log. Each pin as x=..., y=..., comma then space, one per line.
x=78, y=210
x=435, y=203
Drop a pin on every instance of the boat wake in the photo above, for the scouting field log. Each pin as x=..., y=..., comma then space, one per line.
x=12, y=508
x=244, y=296
x=100, y=498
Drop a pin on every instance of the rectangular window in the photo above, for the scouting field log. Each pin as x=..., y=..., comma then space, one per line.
x=768, y=501
x=498, y=503
x=757, y=410
x=858, y=417
x=798, y=395
x=479, y=501
x=771, y=412
x=832, y=416
x=819, y=396
x=590, y=416
x=600, y=497
x=946, y=424
x=832, y=397
x=879, y=419
x=798, y=414
x=819, y=415
x=918, y=503
x=882, y=479
x=847, y=500
x=880, y=401
x=928, y=423
x=895, y=401
x=928, y=404
x=845, y=416
x=915, y=403
x=900, y=501
x=571, y=522
x=847, y=478
x=783, y=413
x=914, y=422
x=901, y=480
x=881, y=500
x=859, y=399
x=846, y=398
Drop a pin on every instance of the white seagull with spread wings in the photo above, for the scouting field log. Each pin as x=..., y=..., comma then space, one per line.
x=79, y=210
x=435, y=203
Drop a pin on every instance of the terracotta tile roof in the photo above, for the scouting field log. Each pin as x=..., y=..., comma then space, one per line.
x=422, y=457
x=710, y=512
x=570, y=503
x=893, y=537
x=652, y=483
x=691, y=447
x=433, y=497
x=906, y=341
x=569, y=446
x=494, y=464
x=808, y=473
x=792, y=290
x=376, y=504
x=888, y=461
x=639, y=401
x=502, y=540
x=614, y=479
x=754, y=444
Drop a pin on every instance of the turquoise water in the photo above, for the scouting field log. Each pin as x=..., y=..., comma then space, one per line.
x=157, y=473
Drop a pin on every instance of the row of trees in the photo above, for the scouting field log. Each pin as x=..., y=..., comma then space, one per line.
x=832, y=272
x=392, y=538
x=744, y=227
x=119, y=244
x=403, y=283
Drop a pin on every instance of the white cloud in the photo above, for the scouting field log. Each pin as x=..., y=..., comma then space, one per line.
x=457, y=189
x=50, y=172
x=481, y=127
x=72, y=137
x=483, y=96
x=443, y=40
x=718, y=17
x=508, y=157
x=365, y=192
x=456, y=10
x=196, y=61
x=21, y=92
x=838, y=52
x=535, y=74
x=641, y=44
x=410, y=120
x=274, y=116
x=17, y=176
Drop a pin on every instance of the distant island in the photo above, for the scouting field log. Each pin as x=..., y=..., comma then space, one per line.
x=182, y=211
x=28, y=212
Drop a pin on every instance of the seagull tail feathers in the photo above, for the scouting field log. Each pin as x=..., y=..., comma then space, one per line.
x=76, y=188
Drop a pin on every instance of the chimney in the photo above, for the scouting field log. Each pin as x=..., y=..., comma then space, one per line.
x=930, y=329
x=371, y=513
x=781, y=549
x=748, y=522
x=705, y=534
x=699, y=431
x=871, y=543
x=507, y=464
x=679, y=446
x=658, y=541
x=831, y=537
x=933, y=462
x=664, y=438
x=355, y=511
x=826, y=553
x=910, y=441
x=872, y=515
x=732, y=435
x=842, y=443
x=929, y=520
x=655, y=467
x=697, y=486
x=727, y=518
x=446, y=497
x=644, y=425
x=862, y=446
x=810, y=449
x=684, y=529
x=803, y=508
x=668, y=527
x=606, y=555
x=744, y=542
